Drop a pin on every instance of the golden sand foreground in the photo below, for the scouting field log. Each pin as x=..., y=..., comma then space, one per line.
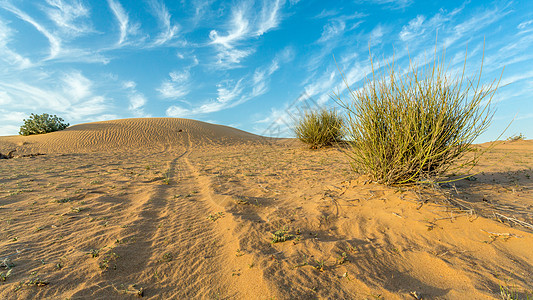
x=180, y=209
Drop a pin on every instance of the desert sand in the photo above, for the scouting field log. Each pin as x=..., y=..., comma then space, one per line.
x=168, y=208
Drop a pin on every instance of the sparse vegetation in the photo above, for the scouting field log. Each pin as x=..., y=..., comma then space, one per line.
x=215, y=216
x=319, y=128
x=281, y=235
x=43, y=123
x=166, y=179
x=410, y=126
x=94, y=252
x=518, y=137
x=5, y=276
x=320, y=265
x=507, y=293
x=342, y=258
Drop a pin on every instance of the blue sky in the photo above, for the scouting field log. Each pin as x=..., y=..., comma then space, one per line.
x=248, y=64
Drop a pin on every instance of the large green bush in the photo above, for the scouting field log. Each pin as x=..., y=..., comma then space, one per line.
x=44, y=123
x=319, y=128
x=410, y=126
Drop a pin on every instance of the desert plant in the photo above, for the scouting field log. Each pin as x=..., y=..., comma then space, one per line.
x=281, y=235
x=518, y=137
x=319, y=128
x=4, y=277
x=406, y=127
x=44, y=123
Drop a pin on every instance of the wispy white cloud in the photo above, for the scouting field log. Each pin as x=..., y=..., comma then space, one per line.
x=333, y=36
x=69, y=16
x=513, y=52
x=392, y=4
x=325, y=13
x=177, y=86
x=294, y=2
x=270, y=16
x=413, y=29
x=232, y=57
x=76, y=86
x=244, y=24
x=90, y=107
x=125, y=27
x=260, y=79
x=12, y=120
x=137, y=100
x=239, y=29
x=262, y=75
x=9, y=130
x=229, y=95
x=8, y=55
x=517, y=78
x=64, y=14
x=332, y=30
x=189, y=56
x=12, y=116
x=229, y=91
x=476, y=22
x=201, y=9
x=169, y=31
x=525, y=26
x=277, y=123
x=323, y=86
x=178, y=112
x=75, y=100
x=377, y=34
x=55, y=42
x=5, y=99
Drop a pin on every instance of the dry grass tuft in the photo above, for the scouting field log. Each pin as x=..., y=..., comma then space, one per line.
x=406, y=127
x=319, y=128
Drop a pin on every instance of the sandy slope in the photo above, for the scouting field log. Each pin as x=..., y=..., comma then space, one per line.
x=184, y=209
x=154, y=134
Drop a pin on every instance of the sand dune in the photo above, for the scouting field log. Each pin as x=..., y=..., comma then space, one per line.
x=127, y=207
x=141, y=133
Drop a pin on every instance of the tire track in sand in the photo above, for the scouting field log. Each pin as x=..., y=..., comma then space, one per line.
x=171, y=250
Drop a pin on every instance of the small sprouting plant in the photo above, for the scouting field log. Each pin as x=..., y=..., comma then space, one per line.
x=37, y=282
x=168, y=257
x=320, y=265
x=64, y=200
x=6, y=263
x=342, y=258
x=4, y=277
x=216, y=216
x=44, y=123
x=166, y=179
x=281, y=235
x=77, y=209
x=94, y=252
x=319, y=128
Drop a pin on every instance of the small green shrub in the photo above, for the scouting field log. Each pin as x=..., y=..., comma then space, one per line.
x=44, y=123
x=412, y=126
x=319, y=128
x=519, y=137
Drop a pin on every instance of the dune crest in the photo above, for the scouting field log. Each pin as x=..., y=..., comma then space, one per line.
x=138, y=133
